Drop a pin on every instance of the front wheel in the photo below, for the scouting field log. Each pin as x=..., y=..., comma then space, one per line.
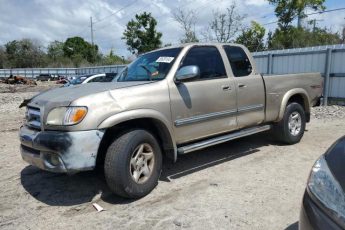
x=133, y=164
x=291, y=128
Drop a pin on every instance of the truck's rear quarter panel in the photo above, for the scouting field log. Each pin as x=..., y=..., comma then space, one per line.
x=279, y=86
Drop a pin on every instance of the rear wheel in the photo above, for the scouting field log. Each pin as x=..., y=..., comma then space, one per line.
x=133, y=164
x=291, y=128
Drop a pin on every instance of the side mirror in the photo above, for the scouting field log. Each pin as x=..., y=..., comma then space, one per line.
x=187, y=73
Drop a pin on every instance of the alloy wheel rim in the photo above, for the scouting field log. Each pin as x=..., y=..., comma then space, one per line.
x=142, y=163
x=295, y=123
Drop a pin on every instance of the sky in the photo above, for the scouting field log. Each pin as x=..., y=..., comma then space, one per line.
x=49, y=20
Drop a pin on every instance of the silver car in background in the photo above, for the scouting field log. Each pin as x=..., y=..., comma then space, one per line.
x=89, y=78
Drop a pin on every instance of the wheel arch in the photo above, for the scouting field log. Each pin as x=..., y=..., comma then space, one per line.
x=299, y=96
x=150, y=120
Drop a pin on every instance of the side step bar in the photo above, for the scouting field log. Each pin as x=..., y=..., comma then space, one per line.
x=221, y=139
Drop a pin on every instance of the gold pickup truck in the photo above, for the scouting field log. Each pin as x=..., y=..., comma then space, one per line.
x=167, y=102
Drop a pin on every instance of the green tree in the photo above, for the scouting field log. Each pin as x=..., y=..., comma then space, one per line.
x=3, y=58
x=253, y=37
x=141, y=35
x=77, y=47
x=12, y=52
x=55, y=50
x=301, y=37
x=112, y=59
x=77, y=59
x=288, y=10
x=25, y=53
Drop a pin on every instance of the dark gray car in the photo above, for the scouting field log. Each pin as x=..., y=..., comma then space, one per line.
x=324, y=200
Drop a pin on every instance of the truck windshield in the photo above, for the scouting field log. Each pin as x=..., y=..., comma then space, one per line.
x=152, y=66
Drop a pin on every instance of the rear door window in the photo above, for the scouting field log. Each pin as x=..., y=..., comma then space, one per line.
x=238, y=60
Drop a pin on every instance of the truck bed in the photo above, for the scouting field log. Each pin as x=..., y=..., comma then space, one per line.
x=278, y=86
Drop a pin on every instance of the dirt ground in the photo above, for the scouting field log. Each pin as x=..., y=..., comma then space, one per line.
x=251, y=183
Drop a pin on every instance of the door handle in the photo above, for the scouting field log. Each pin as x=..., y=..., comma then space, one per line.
x=242, y=86
x=226, y=87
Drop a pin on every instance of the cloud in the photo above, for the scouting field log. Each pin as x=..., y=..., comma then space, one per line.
x=257, y=2
x=52, y=20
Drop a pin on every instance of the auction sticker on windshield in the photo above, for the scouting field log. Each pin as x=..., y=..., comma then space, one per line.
x=165, y=59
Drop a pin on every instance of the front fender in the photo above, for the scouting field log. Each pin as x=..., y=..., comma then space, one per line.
x=288, y=95
x=142, y=114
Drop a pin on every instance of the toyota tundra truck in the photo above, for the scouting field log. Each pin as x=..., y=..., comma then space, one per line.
x=167, y=102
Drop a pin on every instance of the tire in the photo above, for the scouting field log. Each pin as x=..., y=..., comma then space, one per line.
x=124, y=166
x=295, y=115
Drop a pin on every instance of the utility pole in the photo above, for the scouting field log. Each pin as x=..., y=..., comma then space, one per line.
x=91, y=25
x=299, y=21
x=343, y=33
x=314, y=23
x=300, y=15
x=93, y=47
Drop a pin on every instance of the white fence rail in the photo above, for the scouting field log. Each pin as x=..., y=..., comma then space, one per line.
x=33, y=72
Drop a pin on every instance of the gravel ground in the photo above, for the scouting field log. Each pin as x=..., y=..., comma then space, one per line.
x=11, y=96
x=41, y=86
x=328, y=112
x=10, y=114
x=251, y=183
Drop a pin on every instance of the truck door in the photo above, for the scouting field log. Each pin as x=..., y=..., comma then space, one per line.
x=206, y=105
x=249, y=87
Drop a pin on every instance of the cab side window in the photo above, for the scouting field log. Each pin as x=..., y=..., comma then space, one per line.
x=209, y=61
x=239, y=61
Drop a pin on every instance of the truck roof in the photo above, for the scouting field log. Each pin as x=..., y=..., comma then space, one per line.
x=199, y=44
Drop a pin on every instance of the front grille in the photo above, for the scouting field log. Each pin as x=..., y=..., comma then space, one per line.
x=33, y=117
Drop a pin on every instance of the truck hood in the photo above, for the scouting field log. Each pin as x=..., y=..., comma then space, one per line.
x=65, y=95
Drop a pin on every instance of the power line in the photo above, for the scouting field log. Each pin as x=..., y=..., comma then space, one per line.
x=184, y=5
x=319, y=12
x=202, y=6
x=326, y=11
x=199, y=8
x=161, y=16
x=113, y=22
x=128, y=5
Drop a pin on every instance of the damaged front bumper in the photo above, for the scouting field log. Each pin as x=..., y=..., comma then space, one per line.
x=58, y=151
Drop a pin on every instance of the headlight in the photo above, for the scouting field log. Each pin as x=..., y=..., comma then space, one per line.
x=326, y=189
x=66, y=115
